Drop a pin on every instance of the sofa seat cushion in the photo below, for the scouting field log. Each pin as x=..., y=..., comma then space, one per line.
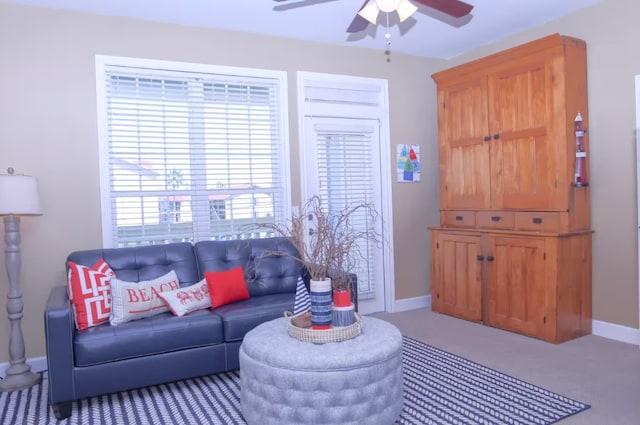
x=240, y=317
x=152, y=335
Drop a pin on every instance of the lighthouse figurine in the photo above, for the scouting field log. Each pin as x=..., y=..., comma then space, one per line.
x=580, y=175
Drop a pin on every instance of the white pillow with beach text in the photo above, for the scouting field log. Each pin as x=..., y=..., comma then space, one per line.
x=135, y=300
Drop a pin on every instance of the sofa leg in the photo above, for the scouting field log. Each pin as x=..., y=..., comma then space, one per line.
x=62, y=410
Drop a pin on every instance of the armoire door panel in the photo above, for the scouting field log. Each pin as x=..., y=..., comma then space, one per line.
x=521, y=177
x=458, y=288
x=516, y=284
x=464, y=152
x=522, y=160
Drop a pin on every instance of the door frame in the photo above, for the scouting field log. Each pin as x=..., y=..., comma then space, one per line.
x=379, y=112
x=637, y=98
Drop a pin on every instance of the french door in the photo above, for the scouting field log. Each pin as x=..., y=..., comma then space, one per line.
x=342, y=165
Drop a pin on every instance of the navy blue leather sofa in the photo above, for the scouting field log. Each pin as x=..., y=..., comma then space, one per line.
x=164, y=348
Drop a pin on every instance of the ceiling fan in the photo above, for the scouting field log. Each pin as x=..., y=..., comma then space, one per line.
x=370, y=10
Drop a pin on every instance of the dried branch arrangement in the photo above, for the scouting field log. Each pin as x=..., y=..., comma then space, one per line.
x=330, y=243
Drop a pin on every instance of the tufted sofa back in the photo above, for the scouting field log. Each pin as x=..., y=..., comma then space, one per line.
x=269, y=264
x=145, y=262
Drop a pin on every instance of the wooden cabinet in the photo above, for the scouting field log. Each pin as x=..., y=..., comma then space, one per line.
x=505, y=127
x=513, y=249
x=456, y=263
x=516, y=268
x=463, y=152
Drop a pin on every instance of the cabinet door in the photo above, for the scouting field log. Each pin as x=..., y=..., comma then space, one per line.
x=457, y=275
x=516, y=284
x=464, y=152
x=523, y=166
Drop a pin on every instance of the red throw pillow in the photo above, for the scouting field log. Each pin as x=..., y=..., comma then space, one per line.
x=90, y=293
x=227, y=286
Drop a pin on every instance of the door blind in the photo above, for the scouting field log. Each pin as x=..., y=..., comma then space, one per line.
x=345, y=166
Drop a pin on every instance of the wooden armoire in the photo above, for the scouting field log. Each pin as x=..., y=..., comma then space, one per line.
x=513, y=248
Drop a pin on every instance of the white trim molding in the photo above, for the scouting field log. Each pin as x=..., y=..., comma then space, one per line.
x=415, y=303
x=616, y=332
x=604, y=329
x=38, y=364
x=607, y=330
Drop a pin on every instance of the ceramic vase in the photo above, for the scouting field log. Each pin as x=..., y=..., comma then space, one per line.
x=341, y=297
x=321, y=303
x=344, y=316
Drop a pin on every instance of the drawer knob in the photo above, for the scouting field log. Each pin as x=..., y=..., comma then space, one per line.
x=487, y=138
x=459, y=218
x=480, y=258
x=495, y=218
x=496, y=136
x=537, y=220
x=490, y=258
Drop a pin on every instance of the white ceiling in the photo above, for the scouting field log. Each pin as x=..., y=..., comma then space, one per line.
x=427, y=33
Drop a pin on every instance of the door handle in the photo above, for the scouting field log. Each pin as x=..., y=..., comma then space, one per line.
x=495, y=218
x=537, y=220
x=490, y=258
x=480, y=258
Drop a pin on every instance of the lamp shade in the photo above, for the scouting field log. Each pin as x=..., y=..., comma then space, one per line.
x=19, y=195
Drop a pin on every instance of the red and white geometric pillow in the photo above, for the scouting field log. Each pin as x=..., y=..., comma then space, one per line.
x=90, y=293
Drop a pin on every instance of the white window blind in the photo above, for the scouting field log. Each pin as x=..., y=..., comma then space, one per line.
x=192, y=155
x=345, y=164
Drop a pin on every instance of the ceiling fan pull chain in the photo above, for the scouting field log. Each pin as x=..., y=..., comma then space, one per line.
x=387, y=36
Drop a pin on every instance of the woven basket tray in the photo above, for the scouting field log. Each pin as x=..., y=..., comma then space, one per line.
x=323, y=336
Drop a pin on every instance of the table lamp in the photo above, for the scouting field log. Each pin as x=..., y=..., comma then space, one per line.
x=18, y=196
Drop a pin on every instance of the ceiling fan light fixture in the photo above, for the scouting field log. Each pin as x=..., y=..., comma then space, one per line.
x=370, y=12
x=405, y=9
x=387, y=6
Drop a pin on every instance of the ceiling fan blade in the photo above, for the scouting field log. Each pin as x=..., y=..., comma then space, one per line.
x=294, y=4
x=358, y=23
x=455, y=8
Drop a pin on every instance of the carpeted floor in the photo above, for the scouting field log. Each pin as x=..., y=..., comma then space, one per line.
x=440, y=388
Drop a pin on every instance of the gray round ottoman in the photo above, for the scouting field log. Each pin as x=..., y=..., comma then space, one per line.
x=286, y=381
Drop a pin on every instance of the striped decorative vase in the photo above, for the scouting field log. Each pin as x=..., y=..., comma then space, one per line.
x=344, y=316
x=321, y=303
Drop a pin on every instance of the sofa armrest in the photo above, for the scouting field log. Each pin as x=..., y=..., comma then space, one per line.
x=59, y=329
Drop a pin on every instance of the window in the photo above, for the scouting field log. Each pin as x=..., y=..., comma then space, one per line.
x=190, y=152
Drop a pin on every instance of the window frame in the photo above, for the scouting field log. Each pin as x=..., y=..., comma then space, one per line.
x=163, y=67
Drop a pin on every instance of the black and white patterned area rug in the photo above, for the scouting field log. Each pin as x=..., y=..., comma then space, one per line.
x=440, y=388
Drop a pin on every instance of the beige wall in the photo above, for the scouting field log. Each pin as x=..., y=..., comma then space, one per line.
x=611, y=32
x=48, y=129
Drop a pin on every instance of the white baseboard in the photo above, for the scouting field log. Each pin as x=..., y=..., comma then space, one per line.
x=406, y=304
x=38, y=364
x=616, y=332
x=600, y=328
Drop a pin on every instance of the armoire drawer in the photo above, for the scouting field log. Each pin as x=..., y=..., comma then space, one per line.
x=495, y=219
x=458, y=218
x=538, y=221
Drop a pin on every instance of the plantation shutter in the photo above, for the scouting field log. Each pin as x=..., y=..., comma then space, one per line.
x=345, y=165
x=192, y=156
